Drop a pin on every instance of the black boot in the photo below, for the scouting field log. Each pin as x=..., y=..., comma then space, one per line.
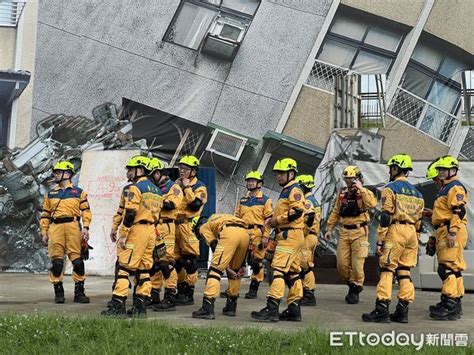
x=253, y=289
x=458, y=300
x=380, y=314
x=308, y=298
x=230, y=306
x=401, y=312
x=292, y=313
x=168, y=303
x=269, y=313
x=207, y=309
x=79, y=295
x=187, y=297
x=58, y=293
x=138, y=309
x=440, y=304
x=449, y=311
x=115, y=307
x=352, y=296
x=154, y=298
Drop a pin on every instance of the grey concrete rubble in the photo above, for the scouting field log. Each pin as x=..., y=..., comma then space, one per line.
x=25, y=176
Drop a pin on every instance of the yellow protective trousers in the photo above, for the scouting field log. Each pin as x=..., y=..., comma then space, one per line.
x=187, y=244
x=258, y=253
x=166, y=231
x=352, y=250
x=286, y=266
x=230, y=253
x=399, y=255
x=307, y=261
x=64, y=239
x=136, y=259
x=451, y=261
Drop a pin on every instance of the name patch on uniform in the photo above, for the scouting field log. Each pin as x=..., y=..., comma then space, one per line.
x=459, y=197
x=297, y=197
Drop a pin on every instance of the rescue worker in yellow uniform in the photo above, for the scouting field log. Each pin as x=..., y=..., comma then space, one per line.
x=164, y=271
x=351, y=211
x=397, y=241
x=255, y=208
x=64, y=208
x=228, y=238
x=187, y=244
x=450, y=219
x=312, y=219
x=432, y=174
x=288, y=222
x=136, y=240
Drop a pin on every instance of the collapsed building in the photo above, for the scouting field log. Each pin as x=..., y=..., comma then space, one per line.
x=25, y=176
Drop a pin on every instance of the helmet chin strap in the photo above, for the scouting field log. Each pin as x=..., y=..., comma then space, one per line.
x=449, y=173
x=62, y=177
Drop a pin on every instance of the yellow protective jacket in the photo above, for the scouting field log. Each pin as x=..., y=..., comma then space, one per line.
x=450, y=205
x=289, y=209
x=68, y=202
x=172, y=199
x=195, y=190
x=216, y=223
x=403, y=202
x=365, y=201
x=313, y=212
x=254, y=210
x=117, y=219
x=143, y=202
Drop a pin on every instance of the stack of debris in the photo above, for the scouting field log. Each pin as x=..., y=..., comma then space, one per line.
x=25, y=176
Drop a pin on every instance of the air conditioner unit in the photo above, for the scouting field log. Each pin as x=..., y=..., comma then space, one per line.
x=226, y=144
x=224, y=38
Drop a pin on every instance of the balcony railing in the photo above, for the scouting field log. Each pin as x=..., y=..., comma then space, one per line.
x=10, y=13
x=423, y=115
x=323, y=75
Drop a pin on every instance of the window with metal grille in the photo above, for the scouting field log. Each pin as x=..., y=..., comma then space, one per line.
x=467, y=149
x=361, y=42
x=226, y=144
x=10, y=12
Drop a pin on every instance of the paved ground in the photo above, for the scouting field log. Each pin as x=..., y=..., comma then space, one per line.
x=29, y=293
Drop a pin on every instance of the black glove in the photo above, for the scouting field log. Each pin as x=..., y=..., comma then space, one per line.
x=431, y=246
x=85, y=250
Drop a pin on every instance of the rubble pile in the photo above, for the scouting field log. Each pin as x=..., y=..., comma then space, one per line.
x=25, y=176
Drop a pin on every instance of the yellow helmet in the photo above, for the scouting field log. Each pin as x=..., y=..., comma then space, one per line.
x=138, y=161
x=286, y=164
x=64, y=165
x=431, y=172
x=189, y=160
x=352, y=171
x=403, y=161
x=254, y=175
x=447, y=162
x=305, y=180
x=155, y=164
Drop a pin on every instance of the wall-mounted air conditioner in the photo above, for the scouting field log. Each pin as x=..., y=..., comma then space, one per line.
x=224, y=38
x=226, y=144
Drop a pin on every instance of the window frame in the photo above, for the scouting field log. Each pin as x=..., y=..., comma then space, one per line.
x=371, y=21
x=219, y=9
